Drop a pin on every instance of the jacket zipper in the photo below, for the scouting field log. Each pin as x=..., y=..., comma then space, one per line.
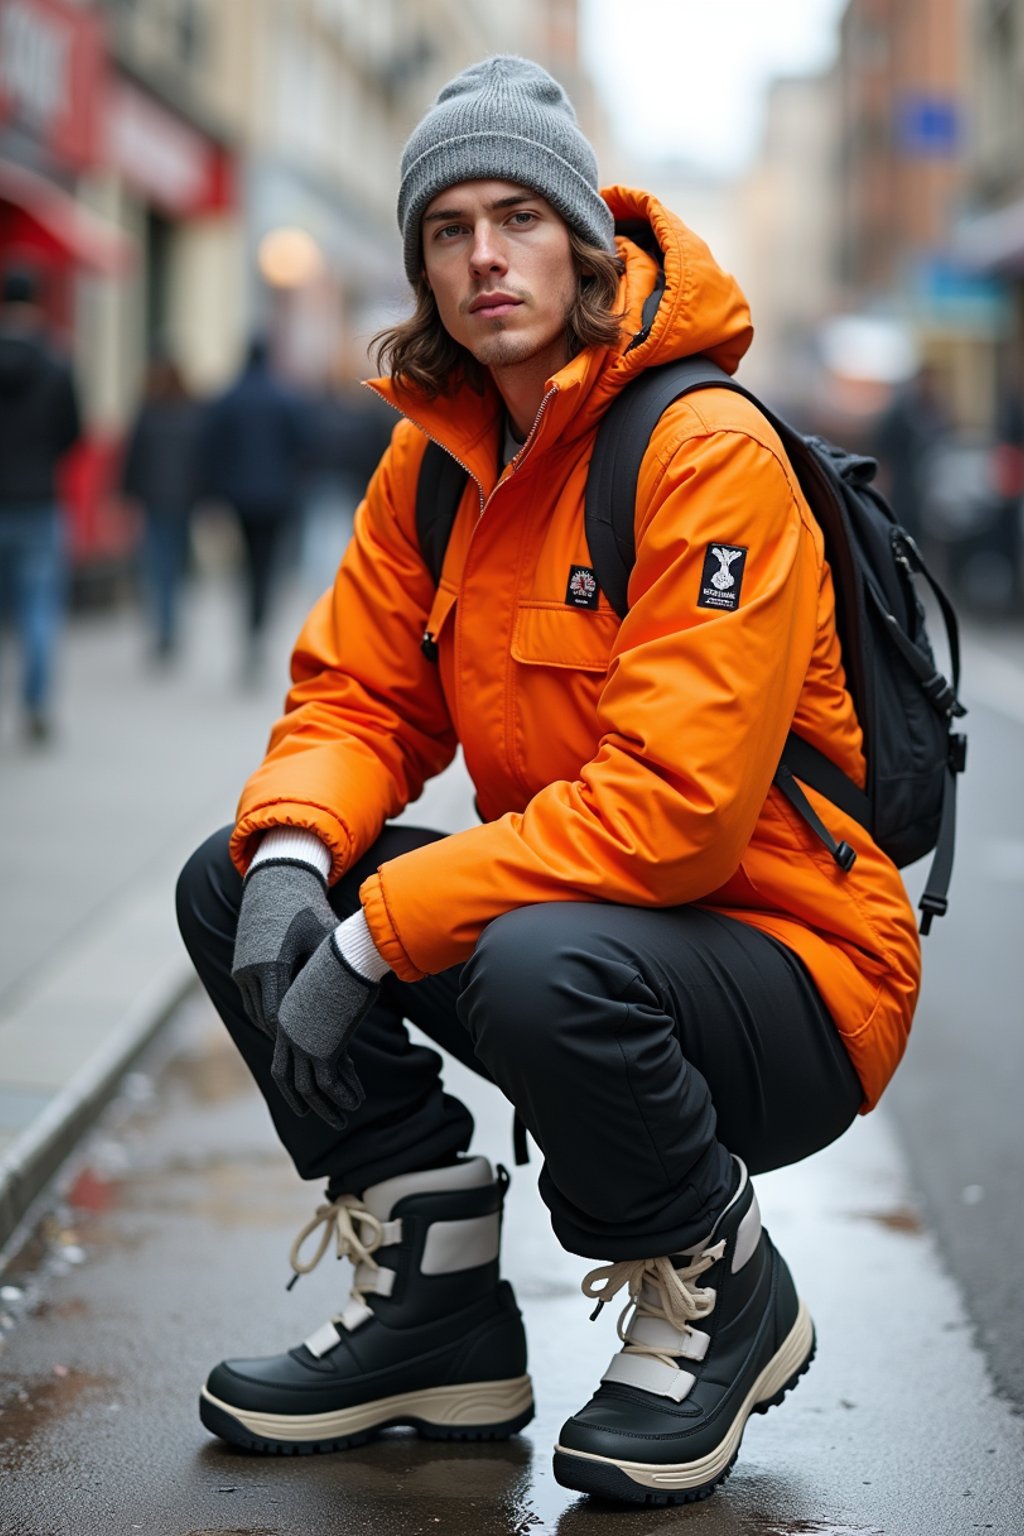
x=515, y=465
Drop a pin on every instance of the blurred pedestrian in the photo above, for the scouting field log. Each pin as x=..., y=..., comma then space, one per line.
x=636, y=943
x=254, y=443
x=350, y=428
x=39, y=422
x=161, y=473
x=916, y=421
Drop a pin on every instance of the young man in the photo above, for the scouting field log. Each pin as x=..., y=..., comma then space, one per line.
x=640, y=944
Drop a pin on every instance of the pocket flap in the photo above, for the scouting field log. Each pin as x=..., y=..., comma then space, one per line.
x=552, y=635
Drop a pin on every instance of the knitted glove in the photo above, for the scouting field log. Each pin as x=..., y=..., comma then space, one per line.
x=321, y=1011
x=283, y=917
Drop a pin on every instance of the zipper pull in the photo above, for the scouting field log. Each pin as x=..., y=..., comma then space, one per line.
x=428, y=645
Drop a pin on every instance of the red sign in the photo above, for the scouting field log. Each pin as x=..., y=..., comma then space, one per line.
x=171, y=163
x=51, y=76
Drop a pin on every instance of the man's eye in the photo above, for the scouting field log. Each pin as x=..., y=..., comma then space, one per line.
x=448, y=231
x=523, y=216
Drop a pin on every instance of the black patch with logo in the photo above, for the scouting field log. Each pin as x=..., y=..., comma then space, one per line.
x=582, y=589
x=722, y=576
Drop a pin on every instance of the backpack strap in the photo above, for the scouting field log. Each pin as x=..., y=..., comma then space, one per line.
x=622, y=440
x=438, y=493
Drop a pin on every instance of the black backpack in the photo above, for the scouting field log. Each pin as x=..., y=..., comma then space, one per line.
x=906, y=708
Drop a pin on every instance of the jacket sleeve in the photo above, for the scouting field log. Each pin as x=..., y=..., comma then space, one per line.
x=365, y=722
x=693, y=714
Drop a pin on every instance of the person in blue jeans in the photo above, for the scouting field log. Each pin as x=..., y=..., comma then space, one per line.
x=161, y=474
x=39, y=422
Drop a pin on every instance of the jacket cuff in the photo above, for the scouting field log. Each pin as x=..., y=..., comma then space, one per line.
x=383, y=933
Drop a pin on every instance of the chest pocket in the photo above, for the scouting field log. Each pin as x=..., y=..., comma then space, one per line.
x=560, y=660
x=553, y=635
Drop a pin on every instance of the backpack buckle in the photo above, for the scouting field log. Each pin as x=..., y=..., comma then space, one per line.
x=957, y=751
x=845, y=856
x=931, y=906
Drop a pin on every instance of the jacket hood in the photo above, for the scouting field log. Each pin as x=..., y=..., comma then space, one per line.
x=678, y=299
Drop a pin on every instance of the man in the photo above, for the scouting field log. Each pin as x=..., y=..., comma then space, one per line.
x=254, y=440
x=39, y=422
x=639, y=944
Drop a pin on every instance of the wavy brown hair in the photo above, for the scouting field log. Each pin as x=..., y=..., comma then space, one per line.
x=420, y=352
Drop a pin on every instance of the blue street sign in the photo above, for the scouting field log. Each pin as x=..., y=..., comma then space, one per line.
x=928, y=126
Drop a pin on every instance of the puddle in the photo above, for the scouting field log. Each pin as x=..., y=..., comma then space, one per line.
x=902, y=1218
x=27, y=1410
x=773, y=1527
x=212, y=1078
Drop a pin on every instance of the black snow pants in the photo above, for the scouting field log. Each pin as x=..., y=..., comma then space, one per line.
x=640, y=1047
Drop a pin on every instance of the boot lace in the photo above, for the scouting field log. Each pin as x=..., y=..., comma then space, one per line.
x=656, y=1289
x=341, y=1220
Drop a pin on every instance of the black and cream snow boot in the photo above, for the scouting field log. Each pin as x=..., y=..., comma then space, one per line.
x=716, y=1333
x=431, y=1337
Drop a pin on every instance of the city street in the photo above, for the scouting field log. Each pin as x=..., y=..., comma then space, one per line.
x=167, y=1243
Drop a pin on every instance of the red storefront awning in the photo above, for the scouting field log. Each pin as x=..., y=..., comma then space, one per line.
x=41, y=217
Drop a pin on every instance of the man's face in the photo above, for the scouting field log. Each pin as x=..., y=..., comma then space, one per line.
x=498, y=262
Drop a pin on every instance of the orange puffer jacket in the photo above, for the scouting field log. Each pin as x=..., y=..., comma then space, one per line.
x=627, y=763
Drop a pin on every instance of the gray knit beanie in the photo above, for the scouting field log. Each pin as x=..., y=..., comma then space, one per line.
x=504, y=119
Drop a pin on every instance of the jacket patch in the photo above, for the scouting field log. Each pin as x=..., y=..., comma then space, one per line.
x=582, y=589
x=722, y=576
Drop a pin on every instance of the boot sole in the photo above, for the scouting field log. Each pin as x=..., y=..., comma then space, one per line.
x=481, y=1410
x=685, y=1482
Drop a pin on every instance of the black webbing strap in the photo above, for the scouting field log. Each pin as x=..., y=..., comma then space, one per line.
x=933, y=902
x=438, y=493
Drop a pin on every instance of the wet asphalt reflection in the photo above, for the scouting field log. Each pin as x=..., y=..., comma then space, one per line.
x=167, y=1248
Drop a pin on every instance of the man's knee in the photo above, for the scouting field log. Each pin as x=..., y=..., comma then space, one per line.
x=208, y=893
x=535, y=980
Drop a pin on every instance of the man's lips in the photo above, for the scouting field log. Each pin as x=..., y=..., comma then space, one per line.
x=492, y=305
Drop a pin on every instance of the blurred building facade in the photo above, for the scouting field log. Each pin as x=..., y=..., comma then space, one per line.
x=184, y=172
x=990, y=235
x=907, y=118
x=788, y=213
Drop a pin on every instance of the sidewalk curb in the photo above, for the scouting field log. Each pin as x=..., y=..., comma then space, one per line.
x=37, y=1155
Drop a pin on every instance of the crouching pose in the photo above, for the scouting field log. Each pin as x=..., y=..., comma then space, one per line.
x=640, y=944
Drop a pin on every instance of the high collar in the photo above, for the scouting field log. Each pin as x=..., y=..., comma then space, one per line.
x=676, y=301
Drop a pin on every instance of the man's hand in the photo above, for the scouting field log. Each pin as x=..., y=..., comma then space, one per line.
x=284, y=915
x=321, y=1011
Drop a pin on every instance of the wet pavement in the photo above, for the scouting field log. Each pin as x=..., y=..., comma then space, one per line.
x=168, y=1247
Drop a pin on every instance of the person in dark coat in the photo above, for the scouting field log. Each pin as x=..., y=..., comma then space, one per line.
x=255, y=439
x=39, y=422
x=914, y=423
x=161, y=473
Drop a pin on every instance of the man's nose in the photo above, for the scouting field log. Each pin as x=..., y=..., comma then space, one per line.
x=487, y=254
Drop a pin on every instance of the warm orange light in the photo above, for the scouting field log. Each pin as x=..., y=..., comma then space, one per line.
x=289, y=258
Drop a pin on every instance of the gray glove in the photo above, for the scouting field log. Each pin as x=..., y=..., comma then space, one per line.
x=283, y=917
x=321, y=1011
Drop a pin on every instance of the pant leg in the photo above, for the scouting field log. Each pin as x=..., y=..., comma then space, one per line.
x=163, y=554
x=407, y=1120
x=261, y=532
x=39, y=586
x=640, y=1048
